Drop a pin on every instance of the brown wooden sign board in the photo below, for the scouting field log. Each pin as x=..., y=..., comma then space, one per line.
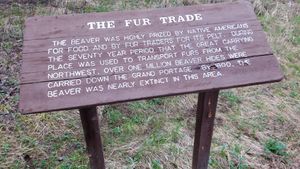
x=80, y=61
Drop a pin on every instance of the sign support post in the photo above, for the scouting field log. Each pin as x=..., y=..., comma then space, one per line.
x=206, y=110
x=91, y=129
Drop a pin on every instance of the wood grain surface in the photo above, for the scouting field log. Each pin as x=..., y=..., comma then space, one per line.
x=226, y=48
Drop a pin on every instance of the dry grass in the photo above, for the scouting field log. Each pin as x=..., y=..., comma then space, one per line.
x=156, y=133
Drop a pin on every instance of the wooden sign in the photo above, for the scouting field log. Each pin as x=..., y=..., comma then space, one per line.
x=81, y=60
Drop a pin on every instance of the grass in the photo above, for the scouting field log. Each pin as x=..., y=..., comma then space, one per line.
x=234, y=154
x=255, y=127
x=231, y=98
x=101, y=6
x=156, y=164
x=295, y=35
x=275, y=147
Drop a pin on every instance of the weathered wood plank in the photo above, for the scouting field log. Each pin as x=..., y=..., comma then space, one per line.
x=42, y=45
x=239, y=75
x=54, y=27
x=41, y=74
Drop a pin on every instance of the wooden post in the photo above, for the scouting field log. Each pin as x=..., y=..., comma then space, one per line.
x=206, y=109
x=91, y=129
